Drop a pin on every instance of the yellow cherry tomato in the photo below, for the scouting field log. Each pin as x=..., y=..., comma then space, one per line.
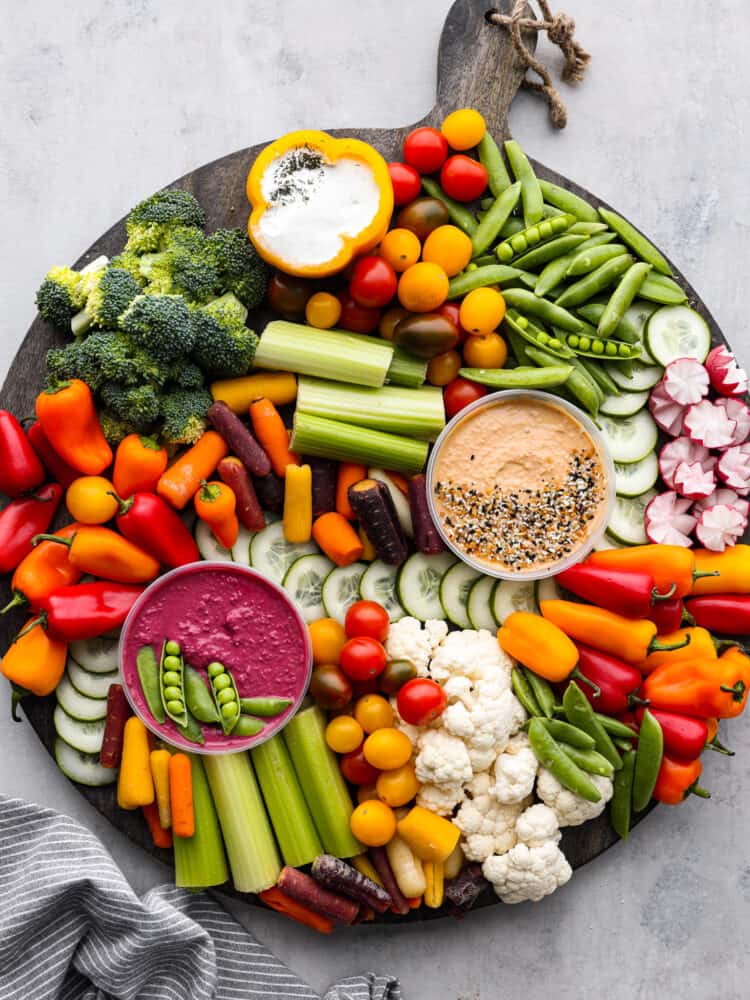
x=443, y=368
x=401, y=248
x=323, y=310
x=372, y=712
x=327, y=638
x=423, y=287
x=344, y=734
x=373, y=823
x=487, y=351
x=449, y=247
x=387, y=749
x=88, y=500
x=367, y=793
x=482, y=311
x=399, y=786
x=464, y=128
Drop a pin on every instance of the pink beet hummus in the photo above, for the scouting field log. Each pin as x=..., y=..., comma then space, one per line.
x=227, y=613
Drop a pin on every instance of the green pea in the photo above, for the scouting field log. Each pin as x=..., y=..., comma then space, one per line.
x=171, y=678
x=546, y=229
x=522, y=322
x=172, y=662
x=229, y=710
x=573, y=340
x=585, y=344
x=610, y=349
x=222, y=681
x=624, y=350
x=172, y=648
x=554, y=343
x=597, y=346
x=519, y=241
x=214, y=669
x=543, y=338
x=175, y=707
x=173, y=693
x=226, y=696
x=471, y=266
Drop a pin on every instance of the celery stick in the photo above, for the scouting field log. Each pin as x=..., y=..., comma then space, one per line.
x=407, y=370
x=253, y=858
x=347, y=442
x=290, y=817
x=322, y=783
x=333, y=354
x=199, y=860
x=416, y=412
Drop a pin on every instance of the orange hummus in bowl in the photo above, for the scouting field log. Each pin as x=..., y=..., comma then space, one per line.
x=520, y=485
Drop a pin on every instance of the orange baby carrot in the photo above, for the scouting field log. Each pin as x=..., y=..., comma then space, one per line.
x=272, y=435
x=160, y=836
x=337, y=538
x=182, y=480
x=349, y=473
x=282, y=903
x=181, y=795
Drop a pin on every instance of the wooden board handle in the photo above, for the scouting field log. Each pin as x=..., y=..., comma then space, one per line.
x=477, y=64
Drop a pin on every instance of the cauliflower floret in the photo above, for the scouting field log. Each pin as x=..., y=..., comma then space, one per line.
x=440, y=799
x=442, y=759
x=487, y=826
x=515, y=771
x=458, y=689
x=484, y=722
x=572, y=809
x=413, y=732
x=471, y=654
x=407, y=640
x=527, y=872
x=536, y=825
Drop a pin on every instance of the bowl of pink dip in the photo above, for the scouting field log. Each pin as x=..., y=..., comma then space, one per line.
x=223, y=612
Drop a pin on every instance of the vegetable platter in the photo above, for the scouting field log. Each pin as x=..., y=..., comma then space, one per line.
x=582, y=305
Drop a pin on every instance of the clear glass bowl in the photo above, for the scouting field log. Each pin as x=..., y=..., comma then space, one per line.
x=605, y=512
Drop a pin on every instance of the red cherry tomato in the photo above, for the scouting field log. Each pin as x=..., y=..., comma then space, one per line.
x=405, y=181
x=367, y=618
x=425, y=149
x=363, y=658
x=463, y=178
x=373, y=282
x=452, y=311
x=459, y=393
x=420, y=701
x=358, y=319
x=357, y=770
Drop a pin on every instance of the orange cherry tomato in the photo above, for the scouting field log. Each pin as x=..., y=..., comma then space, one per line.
x=327, y=638
x=463, y=129
x=373, y=823
x=487, y=351
x=372, y=712
x=323, y=310
x=423, y=287
x=449, y=247
x=399, y=786
x=482, y=311
x=344, y=734
x=91, y=500
x=443, y=368
x=387, y=749
x=401, y=248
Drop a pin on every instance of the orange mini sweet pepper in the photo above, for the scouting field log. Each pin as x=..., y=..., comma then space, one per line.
x=139, y=464
x=706, y=688
x=700, y=643
x=727, y=572
x=68, y=418
x=667, y=564
x=34, y=664
x=539, y=645
x=677, y=779
x=102, y=552
x=45, y=569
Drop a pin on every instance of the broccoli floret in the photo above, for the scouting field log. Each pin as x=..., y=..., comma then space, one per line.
x=138, y=405
x=130, y=262
x=112, y=292
x=186, y=375
x=223, y=344
x=114, y=428
x=60, y=296
x=184, y=412
x=241, y=268
x=75, y=360
x=185, y=268
x=160, y=324
x=120, y=359
x=153, y=220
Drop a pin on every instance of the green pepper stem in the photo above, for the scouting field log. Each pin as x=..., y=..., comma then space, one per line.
x=687, y=618
x=17, y=695
x=209, y=492
x=635, y=702
x=16, y=601
x=575, y=672
x=721, y=644
x=656, y=646
x=697, y=573
x=52, y=538
x=737, y=690
x=41, y=619
x=125, y=505
x=656, y=596
x=714, y=744
x=695, y=789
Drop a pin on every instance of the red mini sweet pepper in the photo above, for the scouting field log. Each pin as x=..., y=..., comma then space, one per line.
x=20, y=468
x=22, y=520
x=617, y=682
x=685, y=737
x=630, y=593
x=727, y=613
x=147, y=521
x=668, y=616
x=85, y=610
x=57, y=467
x=677, y=779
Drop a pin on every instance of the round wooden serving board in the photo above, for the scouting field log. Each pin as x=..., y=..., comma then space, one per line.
x=477, y=67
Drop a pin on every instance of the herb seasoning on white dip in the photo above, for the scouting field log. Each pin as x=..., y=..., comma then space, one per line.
x=518, y=485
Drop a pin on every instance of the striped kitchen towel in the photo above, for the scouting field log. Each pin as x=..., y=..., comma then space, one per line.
x=71, y=928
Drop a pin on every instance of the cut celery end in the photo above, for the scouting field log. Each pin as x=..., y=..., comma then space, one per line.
x=290, y=817
x=200, y=860
x=346, y=442
x=406, y=370
x=251, y=849
x=322, y=783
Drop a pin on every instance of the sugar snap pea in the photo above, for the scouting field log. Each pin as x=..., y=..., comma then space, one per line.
x=648, y=759
x=579, y=383
x=637, y=242
x=540, y=255
x=589, y=760
x=549, y=211
x=543, y=693
x=494, y=219
x=198, y=698
x=492, y=274
x=550, y=754
x=621, y=744
x=191, y=730
x=226, y=697
x=522, y=691
x=518, y=346
x=588, y=260
x=537, y=335
x=148, y=674
x=597, y=281
x=458, y=213
x=518, y=378
x=531, y=192
x=568, y=202
x=614, y=727
x=172, y=694
x=622, y=798
x=532, y=236
x=628, y=329
x=511, y=227
x=549, y=312
x=602, y=378
x=484, y=260
x=624, y=293
x=578, y=712
x=552, y=275
x=246, y=725
x=498, y=178
x=590, y=345
x=589, y=228
x=565, y=733
x=266, y=706
x=661, y=289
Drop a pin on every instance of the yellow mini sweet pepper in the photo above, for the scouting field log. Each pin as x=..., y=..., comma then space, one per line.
x=431, y=837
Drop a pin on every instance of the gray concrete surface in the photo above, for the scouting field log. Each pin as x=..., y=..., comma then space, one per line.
x=103, y=102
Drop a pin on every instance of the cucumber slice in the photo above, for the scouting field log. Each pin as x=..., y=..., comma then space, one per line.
x=629, y=439
x=607, y=542
x=637, y=477
x=642, y=376
x=513, y=595
x=418, y=584
x=403, y=510
x=341, y=590
x=454, y=593
x=208, y=547
x=241, y=548
x=97, y=656
x=272, y=555
x=626, y=524
x=83, y=736
x=547, y=590
x=84, y=768
x=677, y=332
x=624, y=405
x=478, y=605
x=304, y=584
x=92, y=685
x=80, y=706
x=378, y=584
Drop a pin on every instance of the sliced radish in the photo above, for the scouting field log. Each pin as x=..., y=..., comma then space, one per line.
x=668, y=521
x=685, y=381
x=726, y=497
x=719, y=527
x=733, y=468
x=727, y=378
x=682, y=449
x=708, y=424
x=736, y=410
x=691, y=480
x=667, y=414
